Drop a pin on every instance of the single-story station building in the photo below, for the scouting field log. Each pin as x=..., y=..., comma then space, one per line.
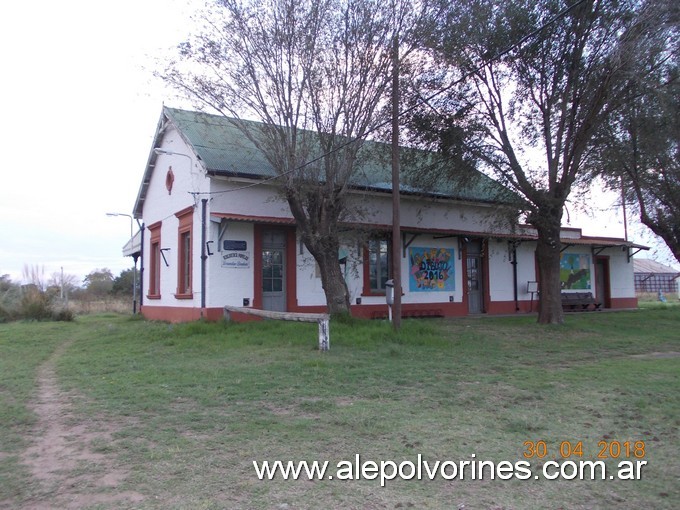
x=216, y=232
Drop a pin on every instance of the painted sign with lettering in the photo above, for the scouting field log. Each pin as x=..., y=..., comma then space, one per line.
x=431, y=269
x=236, y=259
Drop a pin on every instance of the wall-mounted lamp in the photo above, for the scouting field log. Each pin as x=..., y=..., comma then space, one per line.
x=462, y=241
x=159, y=151
x=122, y=214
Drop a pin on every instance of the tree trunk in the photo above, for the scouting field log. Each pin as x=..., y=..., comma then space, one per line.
x=333, y=282
x=318, y=230
x=549, y=286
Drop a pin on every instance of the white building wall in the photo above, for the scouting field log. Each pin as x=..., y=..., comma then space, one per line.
x=230, y=285
x=258, y=200
x=501, y=285
x=622, y=273
x=161, y=205
x=416, y=212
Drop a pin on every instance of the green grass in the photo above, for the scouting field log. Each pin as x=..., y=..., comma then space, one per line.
x=193, y=405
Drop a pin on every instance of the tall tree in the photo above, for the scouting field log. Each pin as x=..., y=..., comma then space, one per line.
x=316, y=74
x=535, y=108
x=124, y=283
x=639, y=147
x=99, y=282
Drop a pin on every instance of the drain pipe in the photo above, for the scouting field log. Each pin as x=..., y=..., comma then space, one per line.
x=141, y=265
x=204, y=257
x=514, y=275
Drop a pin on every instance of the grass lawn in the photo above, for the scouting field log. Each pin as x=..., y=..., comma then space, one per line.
x=187, y=409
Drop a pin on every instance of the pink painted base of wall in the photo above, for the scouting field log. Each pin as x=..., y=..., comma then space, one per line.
x=183, y=314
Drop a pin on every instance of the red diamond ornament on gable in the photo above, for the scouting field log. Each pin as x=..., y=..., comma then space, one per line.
x=169, y=180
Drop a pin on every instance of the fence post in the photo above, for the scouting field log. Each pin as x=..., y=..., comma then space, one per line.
x=324, y=340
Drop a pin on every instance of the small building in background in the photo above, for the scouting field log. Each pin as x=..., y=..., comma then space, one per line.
x=652, y=276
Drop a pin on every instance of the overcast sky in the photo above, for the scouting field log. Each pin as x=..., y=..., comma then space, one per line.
x=80, y=107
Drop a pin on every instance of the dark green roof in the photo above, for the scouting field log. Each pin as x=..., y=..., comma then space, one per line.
x=225, y=150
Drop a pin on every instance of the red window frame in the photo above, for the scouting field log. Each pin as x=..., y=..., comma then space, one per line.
x=185, y=253
x=368, y=290
x=155, y=262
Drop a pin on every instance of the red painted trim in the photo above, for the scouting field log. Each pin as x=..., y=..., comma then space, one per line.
x=291, y=266
x=171, y=313
x=291, y=269
x=624, y=302
x=374, y=311
x=154, y=226
x=606, y=292
x=508, y=307
x=463, y=258
x=182, y=213
x=366, y=291
x=186, y=223
x=155, y=261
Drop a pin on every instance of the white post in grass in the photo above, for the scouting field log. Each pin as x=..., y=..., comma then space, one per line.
x=324, y=336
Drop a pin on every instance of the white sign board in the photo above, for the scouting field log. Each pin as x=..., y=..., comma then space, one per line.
x=236, y=259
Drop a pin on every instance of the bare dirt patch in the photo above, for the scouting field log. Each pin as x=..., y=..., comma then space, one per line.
x=668, y=354
x=61, y=458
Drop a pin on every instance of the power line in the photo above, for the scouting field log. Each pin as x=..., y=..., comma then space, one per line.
x=425, y=101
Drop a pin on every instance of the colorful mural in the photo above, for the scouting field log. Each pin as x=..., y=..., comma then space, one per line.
x=431, y=269
x=575, y=271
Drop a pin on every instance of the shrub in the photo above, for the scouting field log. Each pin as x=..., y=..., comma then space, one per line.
x=35, y=305
x=5, y=314
x=63, y=315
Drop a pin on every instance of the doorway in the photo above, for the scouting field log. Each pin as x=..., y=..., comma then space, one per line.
x=475, y=277
x=602, y=282
x=274, y=270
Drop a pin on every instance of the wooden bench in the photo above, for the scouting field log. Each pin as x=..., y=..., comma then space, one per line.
x=322, y=319
x=579, y=301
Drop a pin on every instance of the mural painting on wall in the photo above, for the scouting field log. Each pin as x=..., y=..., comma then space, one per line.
x=575, y=271
x=431, y=269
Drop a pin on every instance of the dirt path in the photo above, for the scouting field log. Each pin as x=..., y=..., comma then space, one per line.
x=61, y=459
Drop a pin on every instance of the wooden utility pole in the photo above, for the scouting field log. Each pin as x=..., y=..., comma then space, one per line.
x=396, y=221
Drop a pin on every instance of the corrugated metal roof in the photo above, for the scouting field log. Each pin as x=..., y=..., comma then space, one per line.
x=225, y=150
x=254, y=219
x=652, y=266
